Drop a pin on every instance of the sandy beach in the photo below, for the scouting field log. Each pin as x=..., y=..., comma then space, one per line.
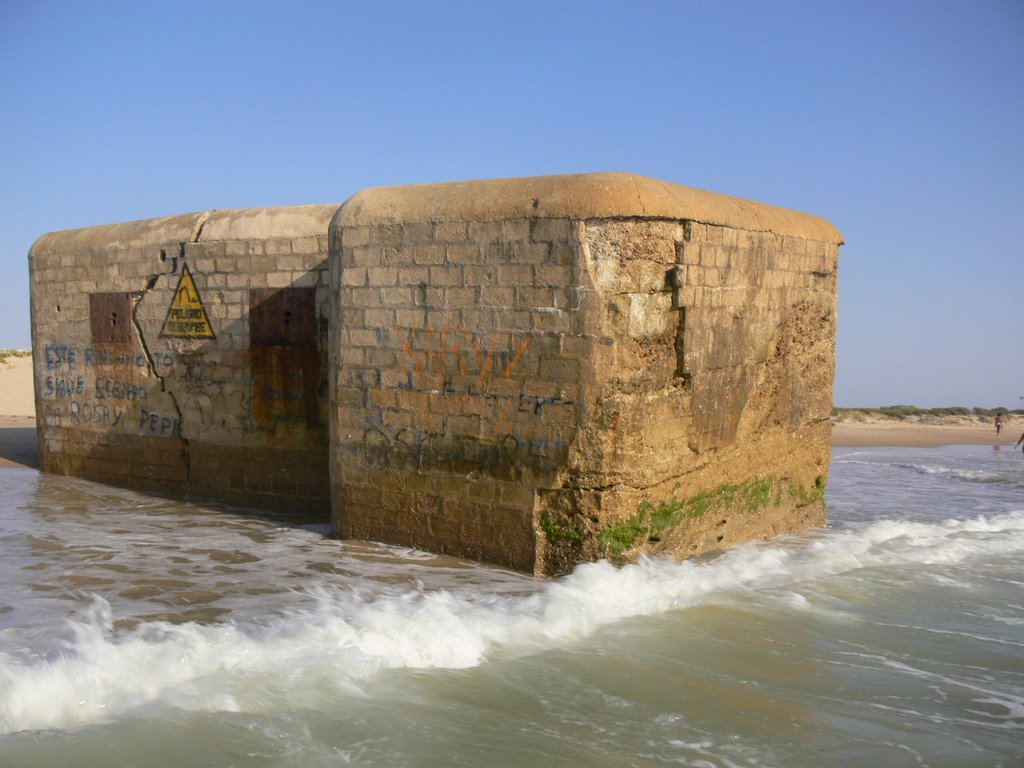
x=17, y=414
x=955, y=430
x=18, y=433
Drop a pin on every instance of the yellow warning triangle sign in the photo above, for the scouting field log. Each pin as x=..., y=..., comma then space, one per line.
x=186, y=317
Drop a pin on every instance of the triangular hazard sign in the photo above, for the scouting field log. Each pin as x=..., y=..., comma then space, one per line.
x=186, y=317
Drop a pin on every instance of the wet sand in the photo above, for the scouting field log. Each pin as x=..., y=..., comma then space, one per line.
x=18, y=445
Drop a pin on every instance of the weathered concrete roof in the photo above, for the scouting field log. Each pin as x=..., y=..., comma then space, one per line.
x=201, y=226
x=129, y=234
x=266, y=223
x=584, y=196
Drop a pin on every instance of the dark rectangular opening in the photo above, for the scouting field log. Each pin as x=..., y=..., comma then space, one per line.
x=282, y=317
x=110, y=318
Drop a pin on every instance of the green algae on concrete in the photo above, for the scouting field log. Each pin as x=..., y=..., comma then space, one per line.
x=652, y=522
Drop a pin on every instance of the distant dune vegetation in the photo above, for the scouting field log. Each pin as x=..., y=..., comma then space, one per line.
x=7, y=353
x=913, y=412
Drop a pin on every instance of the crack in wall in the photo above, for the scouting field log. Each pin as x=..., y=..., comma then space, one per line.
x=197, y=230
x=186, y=457
x=151, y=368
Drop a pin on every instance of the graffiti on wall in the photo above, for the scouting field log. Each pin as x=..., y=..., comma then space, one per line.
x=505, y=457
x=64, y=358
x=509, y=432
x=81, y=389
x=96, y=388
x=463, y=353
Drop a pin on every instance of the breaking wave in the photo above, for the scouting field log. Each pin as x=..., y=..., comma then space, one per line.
x=345, y=636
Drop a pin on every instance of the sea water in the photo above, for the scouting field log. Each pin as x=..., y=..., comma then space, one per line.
x=137, y=631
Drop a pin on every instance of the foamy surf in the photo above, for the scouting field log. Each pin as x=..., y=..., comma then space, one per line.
x=337, y=639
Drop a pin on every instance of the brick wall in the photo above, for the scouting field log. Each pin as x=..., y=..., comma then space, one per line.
x=460, y=379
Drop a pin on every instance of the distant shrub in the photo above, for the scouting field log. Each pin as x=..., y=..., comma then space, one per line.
x=989, y=412
x=900, y=411
x=904, y=411
x=7, y=353
x=955, y=410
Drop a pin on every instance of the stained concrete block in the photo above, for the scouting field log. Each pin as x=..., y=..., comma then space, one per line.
x=535, y=372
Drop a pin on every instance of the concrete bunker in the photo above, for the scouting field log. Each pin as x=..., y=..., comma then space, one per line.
x=187, y=355
x=530, y=372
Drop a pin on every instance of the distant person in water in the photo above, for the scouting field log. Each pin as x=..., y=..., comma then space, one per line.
x=1020, y=441
x=999, y=423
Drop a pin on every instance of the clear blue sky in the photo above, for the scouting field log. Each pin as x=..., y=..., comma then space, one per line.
x=902, y=123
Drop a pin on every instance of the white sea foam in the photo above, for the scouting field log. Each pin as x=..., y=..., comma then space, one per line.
x=344, y=636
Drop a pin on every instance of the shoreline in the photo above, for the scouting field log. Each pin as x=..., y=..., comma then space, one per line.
x=18, y=444
x=19, y=447
x=917, y=435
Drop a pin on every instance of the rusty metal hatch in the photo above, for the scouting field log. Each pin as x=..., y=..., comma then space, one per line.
x=284, y=317
x=288, y=385
x=110, y=318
